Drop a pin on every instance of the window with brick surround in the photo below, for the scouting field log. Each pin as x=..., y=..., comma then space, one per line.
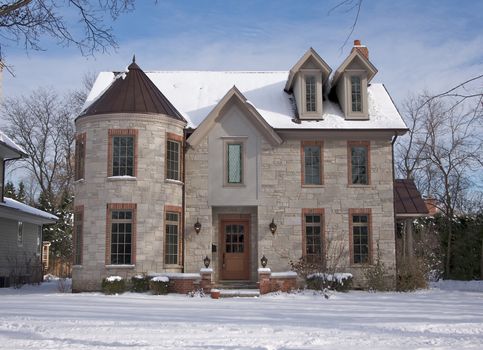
x=172, y=247
x=121, y=234
x=122, y=152
x=80, y=154
x=312, y=159
x=78, y=234
x=313, y=235
x=174, y=153
x=361, y=237
x=359, y=162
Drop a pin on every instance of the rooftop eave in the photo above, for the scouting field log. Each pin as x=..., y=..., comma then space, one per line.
x=371, y=69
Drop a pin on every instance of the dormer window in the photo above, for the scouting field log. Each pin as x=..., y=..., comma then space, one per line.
x=310, y=93
x=356, y=93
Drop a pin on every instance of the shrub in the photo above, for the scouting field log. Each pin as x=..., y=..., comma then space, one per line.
x=376, y=275
x=159, y=285
x=411, y=276
x=113, y=285
x=139, y=283
x=341, y=282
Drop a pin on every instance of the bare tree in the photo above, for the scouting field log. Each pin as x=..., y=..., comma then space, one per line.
x=25, y=22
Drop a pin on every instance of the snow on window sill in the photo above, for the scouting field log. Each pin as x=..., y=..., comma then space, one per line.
x=122, y=178
x=120, y=266
x=174, y=181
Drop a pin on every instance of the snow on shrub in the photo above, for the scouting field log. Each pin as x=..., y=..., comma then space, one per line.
x=139, y=283
x=340, y=282
x=159, y=285
x=113, y=285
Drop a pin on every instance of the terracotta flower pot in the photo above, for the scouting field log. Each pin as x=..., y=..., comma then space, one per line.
x=215, y=294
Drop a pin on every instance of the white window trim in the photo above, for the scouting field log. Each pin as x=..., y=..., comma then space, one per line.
x=362, y=74
x=304, y=73
x=180, y=149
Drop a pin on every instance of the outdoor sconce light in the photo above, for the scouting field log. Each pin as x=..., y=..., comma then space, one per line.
x=273, y=227
x=197, y=226
x=207, y=261
x=264, y=261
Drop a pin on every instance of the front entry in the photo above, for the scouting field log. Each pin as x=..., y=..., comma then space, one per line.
x=234, y=254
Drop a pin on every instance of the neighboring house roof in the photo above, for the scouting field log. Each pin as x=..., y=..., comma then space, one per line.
x=16, y=208
x=7, y=142
x=196, y=93
x=407, y=199
x=132, y=92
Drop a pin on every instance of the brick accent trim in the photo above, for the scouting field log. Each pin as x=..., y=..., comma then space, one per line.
x=121, y=206
x=302, y=162
x=351, y=144
x=179, y=210
x=321, y=212
x=178, y=138
x=122, y=132
x=78, y=211
x=363, y=211
x=80, y=156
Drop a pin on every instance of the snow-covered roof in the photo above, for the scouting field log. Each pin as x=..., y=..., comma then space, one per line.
x=7, y=141
x=196, y=93
x=24, y=208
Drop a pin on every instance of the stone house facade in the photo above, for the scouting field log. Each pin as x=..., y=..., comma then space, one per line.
x=173, y=167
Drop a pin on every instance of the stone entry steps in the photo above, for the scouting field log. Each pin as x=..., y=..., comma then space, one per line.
x=236, y=285
x=232, y=289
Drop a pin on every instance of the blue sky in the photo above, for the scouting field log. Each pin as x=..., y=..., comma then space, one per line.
x=415, y=45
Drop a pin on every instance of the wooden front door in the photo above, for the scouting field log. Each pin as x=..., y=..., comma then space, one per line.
x=235, y=243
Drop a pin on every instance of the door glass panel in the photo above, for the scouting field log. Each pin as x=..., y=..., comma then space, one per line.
x=234, y=239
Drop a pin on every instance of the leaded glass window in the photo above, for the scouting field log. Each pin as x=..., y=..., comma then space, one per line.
x=234, y=165
x=359, y=165
x=310, y=94
x=356, y=97
x=171, y=255
x=123, y=156
x=312, y=166
x=173, y=160
x=360, y=239
x=121, y=237
x=313, y=237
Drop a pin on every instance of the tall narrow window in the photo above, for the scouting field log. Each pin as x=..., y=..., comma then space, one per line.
x=313, y=232
x=356, y=95
x=122, y=152
x=360, y=230
x=173, y=164
x=80, y=154
x=310, y=93
x=122, y=155
x=78, y=234
x=39, y=240
x=359, y=163
x=20, y=233
x=121, y=237
x=311, y=163
x=234, y=163
x=172, y=246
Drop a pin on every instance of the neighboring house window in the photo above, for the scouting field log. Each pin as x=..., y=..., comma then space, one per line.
x=122, y=152
x=80, y=155
x=234, y=163
x=360, y=229
x=310, y=93
x=173, y=157
x=312, y=163
x=359, y=164
x=121, y=234
x=313, y=230
x=356, y=93
x=78, y=234
x=172, y=238
x=20, y=233
x=39, y=240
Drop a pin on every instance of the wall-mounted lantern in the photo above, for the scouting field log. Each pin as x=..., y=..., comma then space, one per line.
x=207, y=261
x=273, y=227
x=264, y=261
x=197, y=226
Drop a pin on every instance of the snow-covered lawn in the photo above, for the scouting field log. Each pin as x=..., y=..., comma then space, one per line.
x=440, y=318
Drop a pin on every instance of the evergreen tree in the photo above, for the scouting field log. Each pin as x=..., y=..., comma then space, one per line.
x=9, y=190
x=21, y=194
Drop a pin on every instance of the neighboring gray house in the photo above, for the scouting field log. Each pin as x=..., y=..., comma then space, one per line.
x=173, y=166
x=20, y=228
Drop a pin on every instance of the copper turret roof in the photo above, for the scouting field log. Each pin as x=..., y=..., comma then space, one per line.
x=133, y=93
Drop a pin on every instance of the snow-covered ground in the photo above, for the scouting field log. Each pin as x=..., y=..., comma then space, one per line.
x=448, y=316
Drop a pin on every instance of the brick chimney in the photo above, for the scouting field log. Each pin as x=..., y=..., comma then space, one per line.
x=361, y=48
